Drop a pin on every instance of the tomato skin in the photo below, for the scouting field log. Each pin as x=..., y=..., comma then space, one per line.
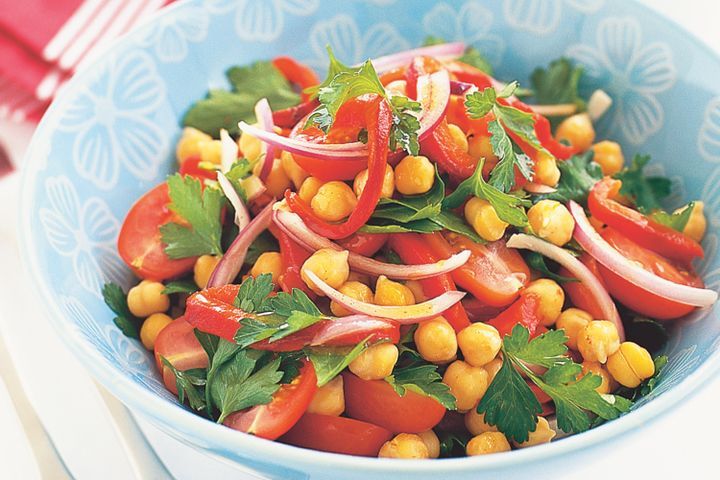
x=328, y=433
x=212, y=311
x=376, y=402
x=637, y=298
x=524, y=312
x=179, y=346
x=579, y=294
x=365, y=244
x=191, y=166
x=288, y=404
x=140, y=244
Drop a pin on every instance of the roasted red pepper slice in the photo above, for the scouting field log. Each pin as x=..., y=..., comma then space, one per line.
x=293, y=256
x=365, y=244
x=296, y=73
x=290, y=117
x=378, y=119
x=638, y=227
x=440, y=146
x=524, y=312
x=413, y=248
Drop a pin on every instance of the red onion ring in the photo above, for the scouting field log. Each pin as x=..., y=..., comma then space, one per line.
x=228, y=151
x=263, y=113
x=579, y=271
x=242, y=216
x=404, y=314
x=539, y=188
x=604, y=253
x=292, y=224
x=346, y=326
x=445, y=51
x=232, y=261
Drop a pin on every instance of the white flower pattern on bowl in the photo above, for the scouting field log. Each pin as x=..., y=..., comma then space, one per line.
x=262, y=21
x=170, y=37
x=543, y=16
x=633, y=73
x=709, y=137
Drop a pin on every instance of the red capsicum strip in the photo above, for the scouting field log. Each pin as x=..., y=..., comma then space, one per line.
x=297, y=73
x=524, y=312
x=292, y=256
x=441, y=147
x=378, y=119
x=414, y=249
x=290, y=117
x=638, y=227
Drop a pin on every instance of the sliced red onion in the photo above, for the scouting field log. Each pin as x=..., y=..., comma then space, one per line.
x=445, y=51
x=577, y=268
x=404, y=314
x=434, y=94
x=232, y=261
x=604, y=253
x=292, y=224
x=242, y=216
x=263, y=114
x=460, y=88
x=347, y=326
x=539, y=188
x=228, y=151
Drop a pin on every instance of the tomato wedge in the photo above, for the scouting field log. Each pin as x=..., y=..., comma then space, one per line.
x=179, y=346
x=337, y=435
x=641, y=229
x=140, y=244
x=284, y=410
x=579, y=294
x=524, y=312
x=494, y=274
x=376, y=402
x=635, y=297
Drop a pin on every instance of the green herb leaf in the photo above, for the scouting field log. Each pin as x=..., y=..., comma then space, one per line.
x=223, y=109
x=557, y=84
x=284, y=304
x=645, y=191
x=537, y=262
x=389, y=226
x=479, y=104
x=253, y=293
x=449, y=221
x=403, y=133
x=180, y=286
x=453, y=444
x=509, y=208
x=201, y=210
x=189, y=385
x=676, y=220
x=546, y=350
x=209, y=342
x=329, y=362
x=265, y=242
x=238, y=385
x=422, y=379
x=116, y=299
x=578, y=174
x=254, y=329
x=647, y=333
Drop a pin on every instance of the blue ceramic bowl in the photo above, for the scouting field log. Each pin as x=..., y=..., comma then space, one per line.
x=110, y=137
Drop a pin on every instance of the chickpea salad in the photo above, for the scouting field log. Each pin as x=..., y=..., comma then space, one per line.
x=407, y=259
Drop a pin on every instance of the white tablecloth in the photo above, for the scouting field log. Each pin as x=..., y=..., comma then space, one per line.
x=682, y=445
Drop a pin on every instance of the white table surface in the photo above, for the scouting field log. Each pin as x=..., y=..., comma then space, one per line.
x=682, y=445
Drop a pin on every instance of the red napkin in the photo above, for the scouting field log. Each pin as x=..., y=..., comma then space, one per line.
x=43, y=41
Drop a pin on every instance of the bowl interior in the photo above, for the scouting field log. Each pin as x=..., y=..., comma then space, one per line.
x=110, y=137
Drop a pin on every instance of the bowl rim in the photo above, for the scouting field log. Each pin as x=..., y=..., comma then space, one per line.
x=215, y=439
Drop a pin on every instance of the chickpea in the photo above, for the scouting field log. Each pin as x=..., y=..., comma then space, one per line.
x=697, y=224
x=542, y=434
x=334, y=201
x=551, y=298
x=210, y=151
x=573, y=321
x=598, y=340
x=486, y=443
x=390, y=293
x=492, y=368
x=436, y=341
x=388, y=185
x=414, y=175
x=458, y=136
x=479, y=343
x=375, y=363
x=484, y=219
x=250, y=147
x=609, y=156
x=147, y=298
x=467, y=384
x=479, y=146
x=203, y=269
x=405, y=445
x=151, y=327
x=356, y=290
x=417, y=290
x=577, y=130
x=631, y=364
x=328, y=264
x=432, y=442
x=189, y=143
x=546, y=170
x=309, y=188
x=551, y=221
x=396, y=87
x=597, y=369
x=292, y=170
x=268, y=262
x=329, y=399
x=475, y=423
x=277, y=180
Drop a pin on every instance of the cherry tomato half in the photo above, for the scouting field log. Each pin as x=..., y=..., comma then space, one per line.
x=376, y=402
x=179, y=346
x=140, y=244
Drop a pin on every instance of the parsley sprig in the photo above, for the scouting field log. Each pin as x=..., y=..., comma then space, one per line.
x=510, y=404
x=116, y=299
x=422, y=379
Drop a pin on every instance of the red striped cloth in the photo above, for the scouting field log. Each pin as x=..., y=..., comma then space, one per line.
x=42, y=42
